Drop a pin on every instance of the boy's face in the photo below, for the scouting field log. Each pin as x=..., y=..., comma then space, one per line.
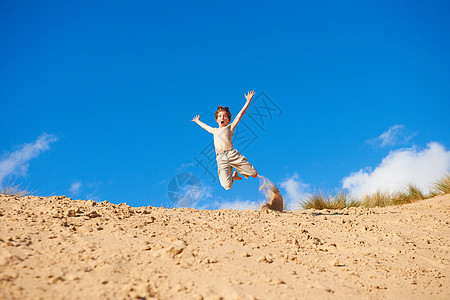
x=222, y=119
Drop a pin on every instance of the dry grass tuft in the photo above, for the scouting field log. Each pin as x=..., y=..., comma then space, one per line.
x=382, y=199
x=379, y=198
x=336, y=200
x=316, y=200
x=412, y=194
x=341, y=199
x=442, y=186
x=13, y=189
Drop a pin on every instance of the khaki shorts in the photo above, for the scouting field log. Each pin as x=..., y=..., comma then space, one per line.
x=229, y=159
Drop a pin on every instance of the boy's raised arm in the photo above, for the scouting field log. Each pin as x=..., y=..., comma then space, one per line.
x=236, y=120
x=196, y=119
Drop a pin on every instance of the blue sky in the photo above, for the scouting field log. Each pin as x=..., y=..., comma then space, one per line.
x=97, y=96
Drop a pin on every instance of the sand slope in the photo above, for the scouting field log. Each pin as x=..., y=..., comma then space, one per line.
x=58, y=248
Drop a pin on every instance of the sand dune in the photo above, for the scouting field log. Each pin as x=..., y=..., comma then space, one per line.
x=58, y=248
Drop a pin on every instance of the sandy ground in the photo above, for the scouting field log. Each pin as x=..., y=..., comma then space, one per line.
x=58, y=248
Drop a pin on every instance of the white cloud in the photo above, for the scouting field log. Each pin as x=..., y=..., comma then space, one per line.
x=399, y=168
x=185, y=166
x=207, y=192
x=93, y=196
x=187, y=195
x=210, y=201
x=237, y=204
x=396, y=135
x=86, y=190
x=295, y=191
x=191, y=195
x=75, y=187
x=17, y=162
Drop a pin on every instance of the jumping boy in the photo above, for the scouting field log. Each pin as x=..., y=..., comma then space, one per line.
x=227, y=157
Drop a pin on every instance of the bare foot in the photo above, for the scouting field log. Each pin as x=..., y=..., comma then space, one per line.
x=236, y=176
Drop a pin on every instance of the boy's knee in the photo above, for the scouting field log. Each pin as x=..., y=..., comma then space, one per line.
x=227, y=184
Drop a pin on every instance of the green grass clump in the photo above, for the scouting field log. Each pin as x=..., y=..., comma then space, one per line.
x=321, y=200
x=442, y=186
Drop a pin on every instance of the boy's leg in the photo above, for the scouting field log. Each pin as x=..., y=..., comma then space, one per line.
x=241, y=164
x=224, y=169
x=236, y=176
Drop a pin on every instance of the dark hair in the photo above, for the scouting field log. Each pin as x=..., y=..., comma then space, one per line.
x=225, y=109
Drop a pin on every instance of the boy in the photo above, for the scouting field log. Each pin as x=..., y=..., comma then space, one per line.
x=227, y=157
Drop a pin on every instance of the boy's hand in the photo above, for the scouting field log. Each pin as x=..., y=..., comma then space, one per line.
x=196, y=118
x=249, y=95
